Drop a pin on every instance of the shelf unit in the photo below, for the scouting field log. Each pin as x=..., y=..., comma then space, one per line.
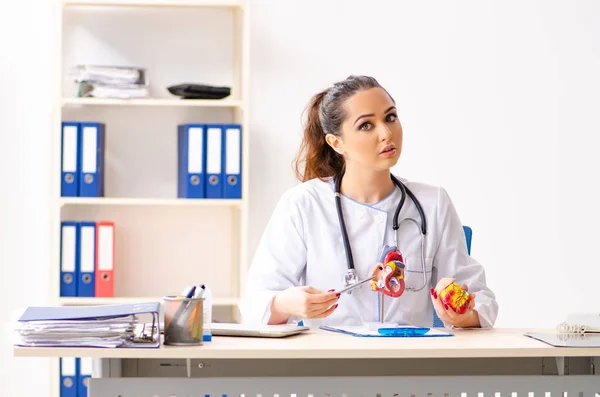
x=160, y=239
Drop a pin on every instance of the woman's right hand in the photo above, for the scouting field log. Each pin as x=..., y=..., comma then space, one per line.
x=303, y=302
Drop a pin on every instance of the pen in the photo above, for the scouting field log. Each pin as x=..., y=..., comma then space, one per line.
x=186, y=315
x=355, y=285
x=179, y=312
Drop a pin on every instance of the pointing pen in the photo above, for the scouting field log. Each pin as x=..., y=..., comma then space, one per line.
x=355, y=285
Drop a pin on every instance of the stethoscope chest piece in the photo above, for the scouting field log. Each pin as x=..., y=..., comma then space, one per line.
x=350, y=278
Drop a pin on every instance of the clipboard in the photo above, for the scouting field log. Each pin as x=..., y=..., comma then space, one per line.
x=404, y=331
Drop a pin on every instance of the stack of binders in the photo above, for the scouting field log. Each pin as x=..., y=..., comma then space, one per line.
x=74, y=376
x=82, y=159
x=209, y=161
x=87, y=256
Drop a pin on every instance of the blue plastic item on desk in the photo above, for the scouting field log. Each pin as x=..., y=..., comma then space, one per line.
x=384, y=331
x=403, y=331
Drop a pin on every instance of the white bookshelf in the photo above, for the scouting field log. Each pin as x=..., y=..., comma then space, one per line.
x=162, y=243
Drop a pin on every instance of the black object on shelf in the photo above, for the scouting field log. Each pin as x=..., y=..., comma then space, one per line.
x=199, y=91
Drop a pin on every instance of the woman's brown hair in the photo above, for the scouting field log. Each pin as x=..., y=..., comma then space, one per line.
x=326, y=113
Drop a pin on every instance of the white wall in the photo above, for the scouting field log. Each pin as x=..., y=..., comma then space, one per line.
x=498, y=101
x=25, y=111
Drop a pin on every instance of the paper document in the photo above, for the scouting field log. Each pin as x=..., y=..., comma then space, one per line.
x=366, y=331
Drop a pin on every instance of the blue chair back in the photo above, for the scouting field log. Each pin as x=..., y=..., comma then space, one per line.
x=437, y=323
x=468, y=236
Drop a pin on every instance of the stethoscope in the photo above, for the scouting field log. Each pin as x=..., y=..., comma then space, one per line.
x=350, y=277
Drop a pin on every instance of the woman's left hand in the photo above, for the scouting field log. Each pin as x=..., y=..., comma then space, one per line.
x=469, y=318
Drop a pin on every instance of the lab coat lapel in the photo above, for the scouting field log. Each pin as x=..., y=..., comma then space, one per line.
x=366, y=230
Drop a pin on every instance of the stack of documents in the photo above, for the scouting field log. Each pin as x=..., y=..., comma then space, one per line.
x=134, y=325
x=111, y=81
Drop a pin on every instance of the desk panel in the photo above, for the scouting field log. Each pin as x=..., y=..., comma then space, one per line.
x=583, y=386
x=215, y=368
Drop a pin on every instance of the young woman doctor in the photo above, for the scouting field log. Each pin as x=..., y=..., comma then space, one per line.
x=353, y=134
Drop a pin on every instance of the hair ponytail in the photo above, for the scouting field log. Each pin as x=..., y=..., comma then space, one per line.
x=326, y=114
x=320, y=160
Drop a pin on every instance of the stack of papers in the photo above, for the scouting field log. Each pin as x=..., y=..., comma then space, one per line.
x=78, y=333
x=102, y=81
x=110, y=75
x=108, y=326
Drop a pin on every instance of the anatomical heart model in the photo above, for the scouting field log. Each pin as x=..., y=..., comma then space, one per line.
x=389, y=273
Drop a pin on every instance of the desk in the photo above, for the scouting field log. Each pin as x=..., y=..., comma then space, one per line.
x=321, y=362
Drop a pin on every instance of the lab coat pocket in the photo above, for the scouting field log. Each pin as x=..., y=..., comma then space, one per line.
x=413, y=272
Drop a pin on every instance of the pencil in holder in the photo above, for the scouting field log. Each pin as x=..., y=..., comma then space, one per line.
x=183, y=321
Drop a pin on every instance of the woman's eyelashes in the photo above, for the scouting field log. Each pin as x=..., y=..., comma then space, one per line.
x=367, y=125
x=392, y=117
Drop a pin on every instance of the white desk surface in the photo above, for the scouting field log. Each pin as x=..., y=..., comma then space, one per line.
x=325, y=344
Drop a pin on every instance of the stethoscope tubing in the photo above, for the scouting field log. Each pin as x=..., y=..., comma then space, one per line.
x=422, y=228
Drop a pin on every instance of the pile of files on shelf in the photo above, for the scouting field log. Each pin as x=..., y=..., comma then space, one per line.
x=101, y=81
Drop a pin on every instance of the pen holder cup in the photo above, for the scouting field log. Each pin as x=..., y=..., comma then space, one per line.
x=183, y=321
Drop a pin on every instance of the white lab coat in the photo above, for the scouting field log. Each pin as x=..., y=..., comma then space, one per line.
x=303, y=245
